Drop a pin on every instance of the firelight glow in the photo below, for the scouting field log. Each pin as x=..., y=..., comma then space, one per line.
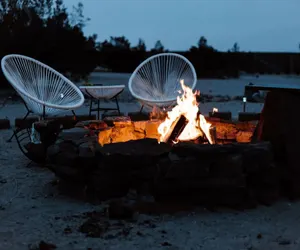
x=187, y=106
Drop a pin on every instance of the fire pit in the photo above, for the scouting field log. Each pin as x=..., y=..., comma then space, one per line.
x=184, y=123
x=179, y=156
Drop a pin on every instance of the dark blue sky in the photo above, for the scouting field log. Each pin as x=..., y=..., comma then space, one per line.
x=257, y=25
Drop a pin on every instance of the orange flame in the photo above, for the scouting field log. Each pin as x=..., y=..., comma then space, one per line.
x=187, y=106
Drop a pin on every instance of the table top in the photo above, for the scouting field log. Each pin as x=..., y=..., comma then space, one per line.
x=276, y=86
x=102, y=86
x=102, y=92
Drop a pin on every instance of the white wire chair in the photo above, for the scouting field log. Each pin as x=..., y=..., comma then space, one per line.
x=45, y=91
x=156, y=81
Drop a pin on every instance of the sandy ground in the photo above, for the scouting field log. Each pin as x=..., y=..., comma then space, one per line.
x=32, y=209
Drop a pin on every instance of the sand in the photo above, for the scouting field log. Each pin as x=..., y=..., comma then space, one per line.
x=32, y=209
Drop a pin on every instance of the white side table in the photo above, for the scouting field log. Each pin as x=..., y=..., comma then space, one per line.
x=100, y=92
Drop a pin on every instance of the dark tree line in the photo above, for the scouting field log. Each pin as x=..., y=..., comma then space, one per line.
x=44, y=30
x=118, y=55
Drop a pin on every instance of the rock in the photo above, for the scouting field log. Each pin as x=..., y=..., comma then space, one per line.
x=123, y=124
x=65, y=153
x=111, y=119
x=192, y=169
x=225, y=130
x=158, y=114
x=284, y=242
x=138, y=148
x=114, y=113
x=105, y=184
x=151, y=129
x=249, y=116
x=94, y=228
x=139, y=116
x=27, y=123
x=221, y=115
x=117, y=210
x=67, y=121
x=166, y=244
x=48, y=131
x=140, y=126
x=244, y=136
x=4, y=124
x=46, y=246
x=71, y=174
x=87, y=154
x=227, y=166
x=92, y=124
x=124, y=132
x=104, y=136
x=84, y=117
x=37, y=152
x=74, y=134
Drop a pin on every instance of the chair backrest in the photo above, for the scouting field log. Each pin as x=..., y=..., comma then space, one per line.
x=41, y=87
x=156, y=81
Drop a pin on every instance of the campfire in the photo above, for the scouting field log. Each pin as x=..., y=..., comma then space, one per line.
x=184, y=122
x=181, y=124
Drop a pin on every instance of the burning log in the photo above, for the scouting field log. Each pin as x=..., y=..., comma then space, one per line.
x=213, y=134
x=176, y=128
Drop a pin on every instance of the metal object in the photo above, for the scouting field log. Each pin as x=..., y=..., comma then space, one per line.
x=244, y=103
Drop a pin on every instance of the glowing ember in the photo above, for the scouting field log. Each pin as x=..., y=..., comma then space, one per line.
x=215, y=110
x=187, y=106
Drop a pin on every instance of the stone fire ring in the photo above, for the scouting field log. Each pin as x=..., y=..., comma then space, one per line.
x=238, y=175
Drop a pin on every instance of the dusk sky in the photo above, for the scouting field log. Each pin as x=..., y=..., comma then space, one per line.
x=256, y=25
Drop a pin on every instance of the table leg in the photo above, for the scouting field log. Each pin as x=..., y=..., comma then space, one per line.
x=141, y=109
x=118, y=107
x=98, y=109
x=91, y=106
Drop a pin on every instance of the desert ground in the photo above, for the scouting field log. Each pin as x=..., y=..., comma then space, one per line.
x=33, y=210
